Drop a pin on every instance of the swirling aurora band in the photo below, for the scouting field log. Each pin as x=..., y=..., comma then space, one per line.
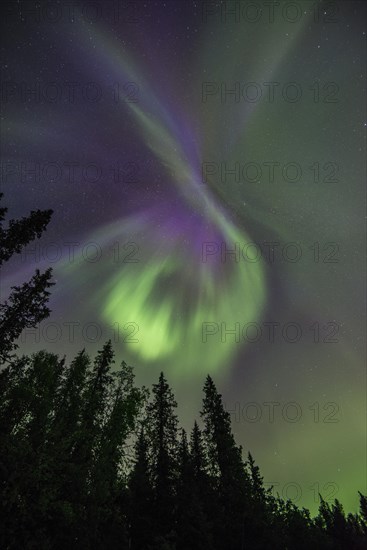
x=170, y=213
x=174, y=291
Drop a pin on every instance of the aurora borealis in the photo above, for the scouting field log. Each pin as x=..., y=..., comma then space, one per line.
x=174, y=141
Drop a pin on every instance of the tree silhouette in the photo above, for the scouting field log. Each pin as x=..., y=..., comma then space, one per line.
x=227, y=469
x=21, y=232
x=192, y=527
x=162, y=436
x=141, y=497
x=67, y=479
x=27, y=304
x=66, y=476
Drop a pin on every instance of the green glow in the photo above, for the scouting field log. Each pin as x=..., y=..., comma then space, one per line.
x=170, y=318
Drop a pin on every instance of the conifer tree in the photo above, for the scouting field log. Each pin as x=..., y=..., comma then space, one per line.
x=193, y=528
x=94, y=404
x=21, y=232
x=65, y=513
x=29, y=474
x=27, y=305
x=363, y=511
x=66, y=480
x=124, y=407
x=227, y=469
x=141, y=497
x=162, y=436
x=25, y=308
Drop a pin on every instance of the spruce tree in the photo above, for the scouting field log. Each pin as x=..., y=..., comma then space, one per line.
x=162, y=436
x=65, y=513
x=227, y=470
x=363, y=512
x=25, y=308
x=27, y=305
x=66, y=481
x=28, y=487
x=141, y=497
x=94, y=404
x=21, y=232
x=107, y=518
x=192, y=526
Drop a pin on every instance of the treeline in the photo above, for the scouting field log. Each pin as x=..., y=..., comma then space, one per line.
x=90, y=461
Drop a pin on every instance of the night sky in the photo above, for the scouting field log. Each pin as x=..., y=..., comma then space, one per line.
x=205, y=162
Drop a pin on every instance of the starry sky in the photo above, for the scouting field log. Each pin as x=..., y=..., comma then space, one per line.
x=205, y=162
